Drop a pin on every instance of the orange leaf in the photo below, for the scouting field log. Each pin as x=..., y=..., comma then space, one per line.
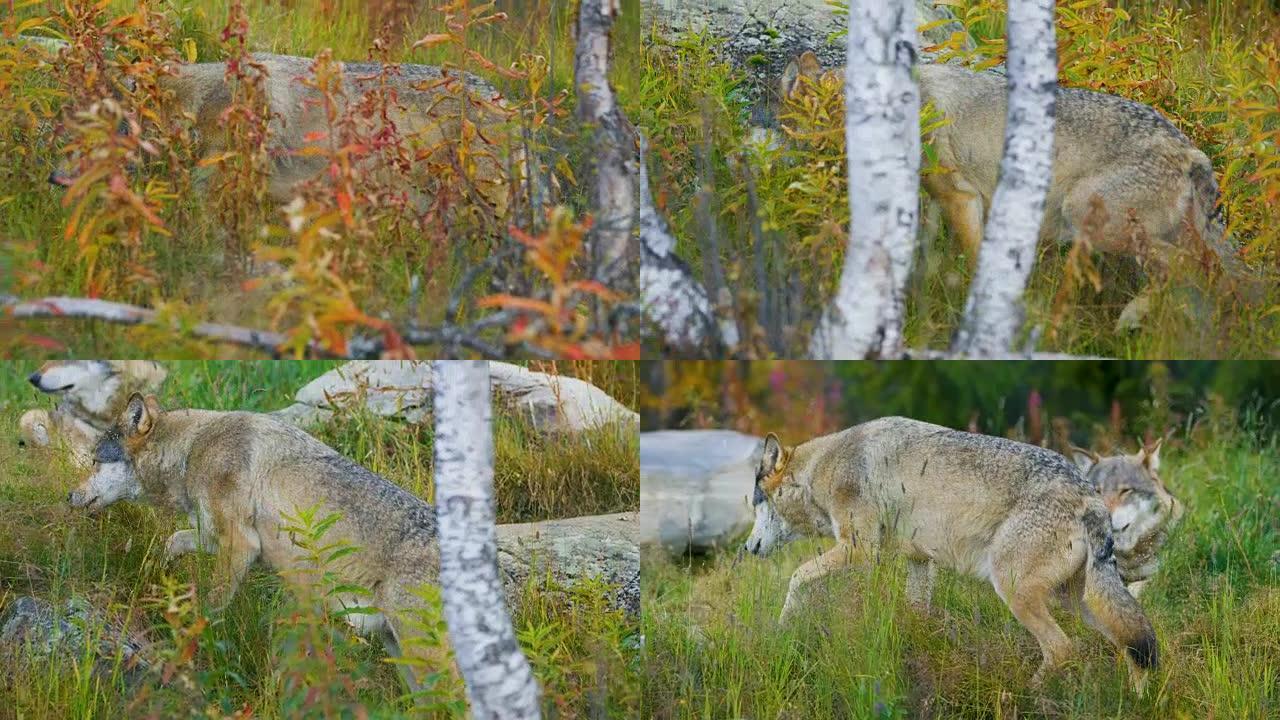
x=517, y=303
x=432, y=40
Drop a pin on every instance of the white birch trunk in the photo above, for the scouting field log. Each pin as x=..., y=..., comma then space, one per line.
x=994, y=311
x=615, y=201
x=500, y=683
x=882, y=134
x=673, y=299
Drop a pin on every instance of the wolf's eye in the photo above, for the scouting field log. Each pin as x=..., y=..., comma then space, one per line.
x=1125, y=491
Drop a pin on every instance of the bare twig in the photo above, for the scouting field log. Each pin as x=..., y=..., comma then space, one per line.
x=450, y=337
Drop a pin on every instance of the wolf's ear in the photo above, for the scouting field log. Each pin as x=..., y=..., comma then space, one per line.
x=139, y=414
x=772, y=455
x=790, y=76
x=1150, y=459
x=806, y=65
x=149, y=372
x=1084, y=459
x=809, y=65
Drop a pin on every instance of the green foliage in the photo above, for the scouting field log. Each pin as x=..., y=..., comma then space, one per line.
x=1104, y=403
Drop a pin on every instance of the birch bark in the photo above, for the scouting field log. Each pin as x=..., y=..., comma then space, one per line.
x=673, y=298
x=882, y=134
x=615, y=201
x=994, y=311
x=500, y=683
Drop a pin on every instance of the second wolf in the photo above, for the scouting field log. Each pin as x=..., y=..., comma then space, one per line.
x=1019, y=516
x=91, y=394
x=238, y=474
x=1143, y=511
x=1151, y=180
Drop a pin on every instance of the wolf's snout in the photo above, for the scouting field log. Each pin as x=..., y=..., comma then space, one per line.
x=59, y=179
x=754, y=547
x=34, y=379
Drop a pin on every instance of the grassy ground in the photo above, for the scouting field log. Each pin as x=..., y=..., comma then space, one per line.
x=251, y=658
x=186, y=270
x=1210, y=67
x=858, y=650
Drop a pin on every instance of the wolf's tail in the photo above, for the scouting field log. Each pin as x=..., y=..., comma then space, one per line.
x=1116, y=611
x=1213, y=228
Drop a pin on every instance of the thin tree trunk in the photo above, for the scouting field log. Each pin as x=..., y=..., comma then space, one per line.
x=500, y=683
x=882, y=134
x=994, y=311
x=615, y=201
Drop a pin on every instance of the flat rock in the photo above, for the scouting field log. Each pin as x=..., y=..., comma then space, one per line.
x=33, y=628
x=695, y=488
x=402, y=389
x=603, y=547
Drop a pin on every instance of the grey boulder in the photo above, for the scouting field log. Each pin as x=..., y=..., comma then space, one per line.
x=695, y=488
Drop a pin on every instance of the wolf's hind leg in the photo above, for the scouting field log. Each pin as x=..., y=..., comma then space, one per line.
x=828, y=562
x=920, y=576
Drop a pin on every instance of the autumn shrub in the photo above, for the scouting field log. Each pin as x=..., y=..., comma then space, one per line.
x=420, y=234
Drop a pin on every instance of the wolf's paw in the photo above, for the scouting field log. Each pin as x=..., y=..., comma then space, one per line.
x=1133, y=313
x=179, y=543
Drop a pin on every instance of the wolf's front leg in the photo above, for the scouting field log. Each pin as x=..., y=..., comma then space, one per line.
x=828, y=562
x=237, y=552
x=920, y=575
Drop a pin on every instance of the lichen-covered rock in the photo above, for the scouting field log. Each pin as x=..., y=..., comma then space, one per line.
x=32, y=628
x=573, y=549
x=761, y=36
x=695, y=488
x=402, y=388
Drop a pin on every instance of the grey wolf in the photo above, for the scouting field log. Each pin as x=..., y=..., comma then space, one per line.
x=1019, y=516
x=1143, y=511
x=91, y=394
x=427, y=112
x=236, y=474
x=1150, y=178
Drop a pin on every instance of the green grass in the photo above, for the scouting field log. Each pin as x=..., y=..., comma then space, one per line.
x=858, y=650
x=582, y=651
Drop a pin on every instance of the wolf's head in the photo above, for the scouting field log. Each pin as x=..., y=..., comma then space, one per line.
x=94, y=384
x=774, y=499
x=802, y=69
x=114, y=475
x=1135, y=496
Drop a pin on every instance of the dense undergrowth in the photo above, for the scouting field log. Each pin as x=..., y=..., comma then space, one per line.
x=273, y=653
x=397, y=233
x=714, y=648
x=778, y=215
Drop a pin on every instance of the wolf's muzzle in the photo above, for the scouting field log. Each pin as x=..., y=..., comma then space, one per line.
x=60, y=179
x=34, y=379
